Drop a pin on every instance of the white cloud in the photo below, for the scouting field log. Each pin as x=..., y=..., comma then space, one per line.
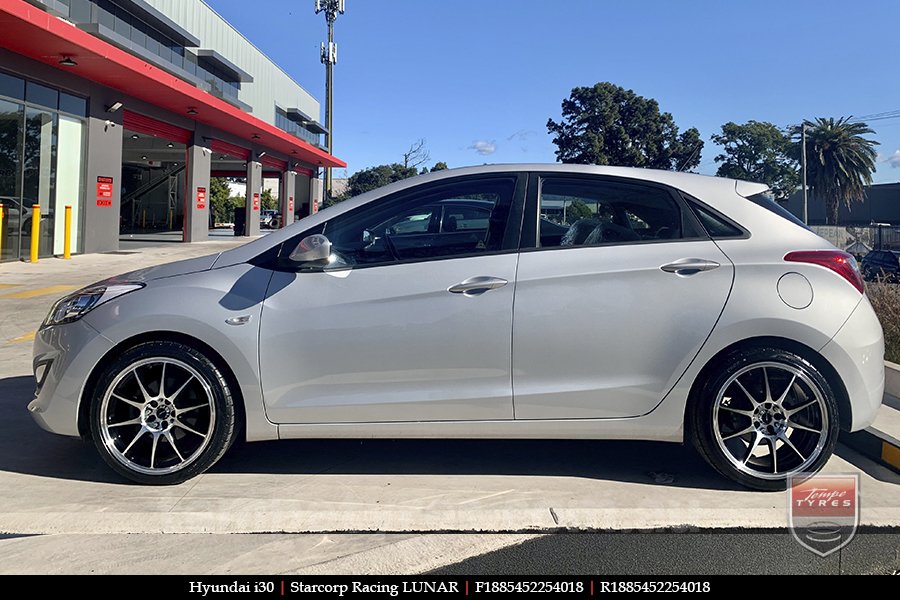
x=893, y=159
x=484, y=147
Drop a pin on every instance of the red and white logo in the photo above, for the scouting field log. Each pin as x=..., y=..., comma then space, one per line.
x=823, y=510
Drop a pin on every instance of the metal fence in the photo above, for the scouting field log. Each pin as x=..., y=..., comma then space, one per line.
x=859, y=240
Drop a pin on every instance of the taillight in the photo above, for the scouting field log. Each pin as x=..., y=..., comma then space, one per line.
x=838, y=261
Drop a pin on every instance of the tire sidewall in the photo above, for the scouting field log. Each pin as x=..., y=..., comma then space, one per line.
x=223, y=425
x=702, y=424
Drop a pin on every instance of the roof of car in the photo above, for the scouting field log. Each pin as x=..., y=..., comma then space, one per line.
x=701, y=186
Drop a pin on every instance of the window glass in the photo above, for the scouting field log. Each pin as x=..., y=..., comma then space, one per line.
x=578, y=212
x=716, y=226
x=106, y=14
x=72, y=104
x=459, y=219
x=41, y=94
x=12, y=87
x=39, y=179
x=767, y=201
x=12, y=120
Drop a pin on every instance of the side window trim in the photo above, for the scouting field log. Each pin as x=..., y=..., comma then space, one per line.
x=509, y=242
x=530, y=241
x=691, y=201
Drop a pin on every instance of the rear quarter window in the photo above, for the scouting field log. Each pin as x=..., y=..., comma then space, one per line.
x=767, y=201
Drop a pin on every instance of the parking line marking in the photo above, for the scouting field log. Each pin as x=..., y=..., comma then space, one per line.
x=4, y=286
x=28, y=337
x=44, y=291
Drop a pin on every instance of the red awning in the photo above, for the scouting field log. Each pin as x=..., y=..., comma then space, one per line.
x=38, y=35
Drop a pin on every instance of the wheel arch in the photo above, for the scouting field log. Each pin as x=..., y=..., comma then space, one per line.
x=845, y=410
x=84, y=406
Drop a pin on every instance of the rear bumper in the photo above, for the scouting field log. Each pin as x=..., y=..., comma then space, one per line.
x=857, y=354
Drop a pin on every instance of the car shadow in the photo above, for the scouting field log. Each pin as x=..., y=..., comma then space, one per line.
x=28, y=450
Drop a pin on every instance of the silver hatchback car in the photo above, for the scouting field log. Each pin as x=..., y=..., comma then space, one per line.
x=516, y=301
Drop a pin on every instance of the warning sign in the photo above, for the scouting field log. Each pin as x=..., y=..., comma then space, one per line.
x=255, y=201
x=104, y=191
x=201, y=198
x=291, y=204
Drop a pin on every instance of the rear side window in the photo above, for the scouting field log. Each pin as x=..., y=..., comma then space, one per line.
x=767, y=201
x=586, y=212
x=716, y=225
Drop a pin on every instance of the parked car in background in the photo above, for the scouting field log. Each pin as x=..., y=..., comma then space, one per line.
x=673, y=307
x=269, y=219
x=881, y=265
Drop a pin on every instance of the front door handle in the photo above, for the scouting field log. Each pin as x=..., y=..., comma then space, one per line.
x=475, y=286
x=689, y=266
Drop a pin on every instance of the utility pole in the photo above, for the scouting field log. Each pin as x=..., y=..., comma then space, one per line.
x=803, y=129
x=331, y=8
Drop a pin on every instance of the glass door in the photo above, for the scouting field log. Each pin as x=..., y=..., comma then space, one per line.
x=39, y=179
x=12, y=117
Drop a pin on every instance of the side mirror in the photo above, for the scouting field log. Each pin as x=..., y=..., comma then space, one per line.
x=313, y=250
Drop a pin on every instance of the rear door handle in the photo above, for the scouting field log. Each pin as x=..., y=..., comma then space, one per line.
x=689, y=266
x=475, y=286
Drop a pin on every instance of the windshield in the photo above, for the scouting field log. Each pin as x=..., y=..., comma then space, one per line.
x=767, y=201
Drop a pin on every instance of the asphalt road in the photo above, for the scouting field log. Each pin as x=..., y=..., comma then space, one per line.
x=684, y=553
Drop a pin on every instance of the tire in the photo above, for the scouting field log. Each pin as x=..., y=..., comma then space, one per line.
x=732, y=411
x=162, y=438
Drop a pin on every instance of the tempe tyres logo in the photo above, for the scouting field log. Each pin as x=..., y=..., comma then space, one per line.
x=823, y=510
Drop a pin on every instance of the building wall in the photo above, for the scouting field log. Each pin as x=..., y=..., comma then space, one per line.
x=270, y=85
x=880, y=205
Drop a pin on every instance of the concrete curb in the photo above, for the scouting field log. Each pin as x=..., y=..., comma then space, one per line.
x=522, y=521
x=877, y=445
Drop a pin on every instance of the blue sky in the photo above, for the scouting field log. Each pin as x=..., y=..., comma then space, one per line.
x=479, y=79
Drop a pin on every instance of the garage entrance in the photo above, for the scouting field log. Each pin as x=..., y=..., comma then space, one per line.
x=154, y=156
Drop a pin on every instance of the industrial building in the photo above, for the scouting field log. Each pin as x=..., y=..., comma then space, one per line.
x=124, y=110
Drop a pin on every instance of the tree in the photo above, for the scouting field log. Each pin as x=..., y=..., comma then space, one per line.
x=416, y=155
x=375, y=177
x=267, y=200
x=439, y=166
x=839, y=161
x=609, y=125
x=576, y=210
x=758, y=151
x=220, y=201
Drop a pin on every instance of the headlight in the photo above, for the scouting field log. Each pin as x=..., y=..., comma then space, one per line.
x=74, y=306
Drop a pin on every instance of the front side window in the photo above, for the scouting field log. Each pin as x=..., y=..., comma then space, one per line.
x=580, y=212
x=458, y=219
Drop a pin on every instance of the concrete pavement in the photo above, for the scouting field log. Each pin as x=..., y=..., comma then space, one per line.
x=335, y=489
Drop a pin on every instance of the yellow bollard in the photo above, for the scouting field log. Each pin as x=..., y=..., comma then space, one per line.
x=35, y=231
x=67, y=236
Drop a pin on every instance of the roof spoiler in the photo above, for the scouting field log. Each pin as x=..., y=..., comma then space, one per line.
x=748, y=188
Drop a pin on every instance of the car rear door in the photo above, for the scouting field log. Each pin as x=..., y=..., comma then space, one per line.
x=610, y=315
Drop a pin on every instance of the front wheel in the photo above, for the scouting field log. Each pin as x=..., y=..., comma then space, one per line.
x=161, y=413
x=764, y=414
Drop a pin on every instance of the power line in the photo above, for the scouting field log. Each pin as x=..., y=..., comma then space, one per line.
x=882, y=116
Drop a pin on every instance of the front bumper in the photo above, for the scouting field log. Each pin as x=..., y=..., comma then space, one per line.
x=857, y=353
x=64, y=356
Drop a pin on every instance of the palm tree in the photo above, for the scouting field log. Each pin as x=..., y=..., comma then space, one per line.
x=840, y=161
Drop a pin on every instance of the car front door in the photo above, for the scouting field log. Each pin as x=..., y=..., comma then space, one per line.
x=609, y=314
x=405, y=325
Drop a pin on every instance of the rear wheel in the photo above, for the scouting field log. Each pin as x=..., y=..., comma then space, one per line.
x=765, y=414
x=162, y=413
